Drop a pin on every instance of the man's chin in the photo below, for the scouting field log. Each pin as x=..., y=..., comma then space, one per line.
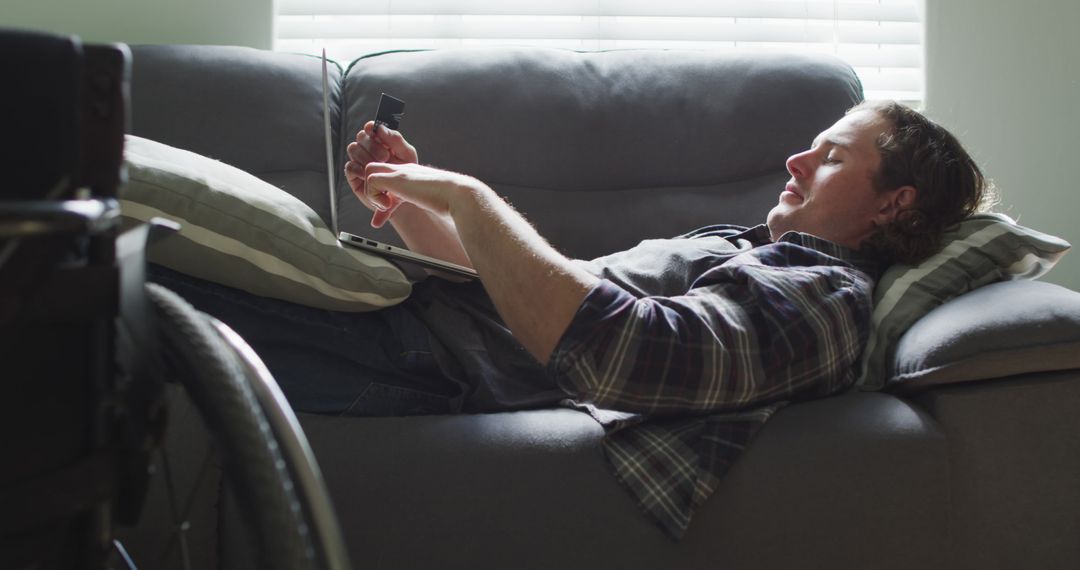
x=777, y=222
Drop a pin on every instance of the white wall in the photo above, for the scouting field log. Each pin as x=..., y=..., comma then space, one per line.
x=1004, y=76
x=228, y=22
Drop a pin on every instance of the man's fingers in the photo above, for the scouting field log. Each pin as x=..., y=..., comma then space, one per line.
x=367, y=150
x=375, y=182
x=376, y=174
x=380, y=168
x=385, y=203
x=399, y=147
x=380, y=217
x=381, y=200
x=354, y=175
x=381, y=145
x=353, y=169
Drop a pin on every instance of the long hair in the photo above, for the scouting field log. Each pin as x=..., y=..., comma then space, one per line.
x=950, y=186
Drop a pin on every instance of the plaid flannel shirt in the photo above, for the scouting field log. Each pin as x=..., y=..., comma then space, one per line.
x=694, y=377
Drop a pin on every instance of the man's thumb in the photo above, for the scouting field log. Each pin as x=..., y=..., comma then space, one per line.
x=382, y=216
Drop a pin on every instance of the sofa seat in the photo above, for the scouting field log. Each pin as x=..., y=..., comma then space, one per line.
x=827, y=481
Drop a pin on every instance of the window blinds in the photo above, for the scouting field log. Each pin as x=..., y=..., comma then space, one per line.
x=881, y=39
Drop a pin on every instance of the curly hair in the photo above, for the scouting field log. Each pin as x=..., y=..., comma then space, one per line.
x=950, y=186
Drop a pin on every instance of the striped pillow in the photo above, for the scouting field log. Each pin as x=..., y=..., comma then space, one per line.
x=983, y=249
x=240, y=231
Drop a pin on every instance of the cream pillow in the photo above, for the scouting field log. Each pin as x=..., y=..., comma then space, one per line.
x=240, y=231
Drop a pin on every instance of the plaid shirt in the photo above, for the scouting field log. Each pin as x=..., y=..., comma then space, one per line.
x=695, y=376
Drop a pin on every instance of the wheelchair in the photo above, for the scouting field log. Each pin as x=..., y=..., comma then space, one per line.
x=88, y=347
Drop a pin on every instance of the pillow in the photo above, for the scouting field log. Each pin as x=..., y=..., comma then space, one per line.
x=240, y=231
x=982, y=249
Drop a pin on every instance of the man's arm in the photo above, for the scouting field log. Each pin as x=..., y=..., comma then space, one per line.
x=535, y=289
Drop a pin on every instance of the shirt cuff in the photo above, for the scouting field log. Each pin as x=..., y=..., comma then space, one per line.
x=592, y=321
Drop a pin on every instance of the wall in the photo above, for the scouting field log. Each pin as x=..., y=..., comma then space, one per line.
x=230, y=22
x=1004, y=76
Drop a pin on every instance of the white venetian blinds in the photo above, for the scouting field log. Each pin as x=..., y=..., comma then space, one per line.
x=881, y=39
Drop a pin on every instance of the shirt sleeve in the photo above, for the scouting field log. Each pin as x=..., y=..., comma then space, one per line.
x=748, y=333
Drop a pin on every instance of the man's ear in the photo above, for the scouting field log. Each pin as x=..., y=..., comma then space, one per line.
x=895, y=201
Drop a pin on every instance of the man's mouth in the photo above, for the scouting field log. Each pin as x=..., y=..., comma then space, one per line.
x=791, y=188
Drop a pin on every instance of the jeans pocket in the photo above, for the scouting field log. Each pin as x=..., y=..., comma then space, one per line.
x=389, y=400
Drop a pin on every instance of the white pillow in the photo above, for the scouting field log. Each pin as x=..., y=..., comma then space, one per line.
x=240, y=231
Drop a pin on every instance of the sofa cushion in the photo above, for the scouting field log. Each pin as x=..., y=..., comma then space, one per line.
x=600, y=150
x=981, y=250
x=239, y=231
x=1000, y=330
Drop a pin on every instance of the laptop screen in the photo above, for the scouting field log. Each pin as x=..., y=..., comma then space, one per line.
x=329, y=145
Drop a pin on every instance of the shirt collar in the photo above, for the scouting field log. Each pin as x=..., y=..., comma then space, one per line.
x=759, y=235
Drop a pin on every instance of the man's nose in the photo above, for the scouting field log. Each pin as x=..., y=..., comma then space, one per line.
x=797, y=165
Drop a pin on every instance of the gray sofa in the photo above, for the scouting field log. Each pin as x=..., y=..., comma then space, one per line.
x=601, y=150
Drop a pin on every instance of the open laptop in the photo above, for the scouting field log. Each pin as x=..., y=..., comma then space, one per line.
x=394, y=253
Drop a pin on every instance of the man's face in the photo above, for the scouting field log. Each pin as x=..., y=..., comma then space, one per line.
x=831, y=193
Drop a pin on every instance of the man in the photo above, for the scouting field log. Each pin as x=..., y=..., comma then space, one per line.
x=693, y=342
x=857, y=187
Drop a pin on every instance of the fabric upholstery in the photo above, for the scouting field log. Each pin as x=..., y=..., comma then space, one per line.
x=239, y=231
x=999, y=330
x=1014, y=453
x=530, y=490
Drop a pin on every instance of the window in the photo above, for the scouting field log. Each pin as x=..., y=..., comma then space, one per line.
x=881, y=39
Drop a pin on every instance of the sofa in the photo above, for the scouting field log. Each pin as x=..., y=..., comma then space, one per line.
x=977, y=469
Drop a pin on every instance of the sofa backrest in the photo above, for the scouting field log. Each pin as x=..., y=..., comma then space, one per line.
x=598, y=149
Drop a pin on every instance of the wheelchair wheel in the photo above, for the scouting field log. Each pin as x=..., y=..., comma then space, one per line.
x=266, y=458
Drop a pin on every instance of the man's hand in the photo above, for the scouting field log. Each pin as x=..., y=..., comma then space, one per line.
x=387, y=186
x=422, y=231
x=372, y=145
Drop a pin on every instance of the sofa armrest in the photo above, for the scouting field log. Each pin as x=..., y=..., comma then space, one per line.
x=1004, y=329
x=1013, y=466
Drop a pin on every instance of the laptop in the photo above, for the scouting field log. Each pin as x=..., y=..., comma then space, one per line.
x=393, y=253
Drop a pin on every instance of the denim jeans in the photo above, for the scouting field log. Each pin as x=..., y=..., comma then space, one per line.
x=365, y=364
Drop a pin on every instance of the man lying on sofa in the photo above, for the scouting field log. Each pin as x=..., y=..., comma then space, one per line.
x=695, y=340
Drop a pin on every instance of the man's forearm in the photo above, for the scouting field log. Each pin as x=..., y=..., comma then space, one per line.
x=429, y=234
x=536, y=289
